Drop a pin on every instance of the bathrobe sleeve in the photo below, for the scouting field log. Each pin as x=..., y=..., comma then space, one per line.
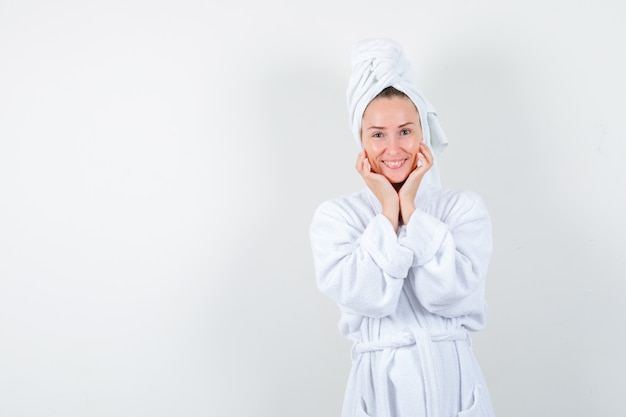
x=452, y=251
x=359, y=263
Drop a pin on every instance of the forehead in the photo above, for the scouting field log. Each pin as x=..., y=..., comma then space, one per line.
x=389, y=111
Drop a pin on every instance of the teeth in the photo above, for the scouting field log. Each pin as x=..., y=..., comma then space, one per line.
x=393, y=164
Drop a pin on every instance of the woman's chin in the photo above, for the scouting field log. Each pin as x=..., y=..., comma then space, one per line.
x=396, y=178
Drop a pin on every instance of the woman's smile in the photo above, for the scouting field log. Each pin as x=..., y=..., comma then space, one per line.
x=394, y=163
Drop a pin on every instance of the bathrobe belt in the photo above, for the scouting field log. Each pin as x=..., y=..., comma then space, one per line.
x=423, y=341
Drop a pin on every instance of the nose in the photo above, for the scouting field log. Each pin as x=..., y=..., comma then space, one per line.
x=394, y=145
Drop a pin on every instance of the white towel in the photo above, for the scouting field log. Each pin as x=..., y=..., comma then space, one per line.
x=381, y=63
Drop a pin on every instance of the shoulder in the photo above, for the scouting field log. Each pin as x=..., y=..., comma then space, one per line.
x=346, y=203
x=456, y=204
x=351, y=208
x=458, y=197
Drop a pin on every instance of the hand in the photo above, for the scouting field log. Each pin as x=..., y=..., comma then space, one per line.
x=381, y=187
x=408, y=191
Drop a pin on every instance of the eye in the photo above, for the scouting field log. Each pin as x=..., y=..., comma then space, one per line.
x=377, y=135
x=405, y=132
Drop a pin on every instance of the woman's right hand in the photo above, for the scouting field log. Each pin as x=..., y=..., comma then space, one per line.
x=381, y=187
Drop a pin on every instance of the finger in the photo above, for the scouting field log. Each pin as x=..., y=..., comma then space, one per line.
x=359, y=161
x=421, y=159
x=367, y=167
x=364, y=168
x=430, y=160
x=427, y=152
x=424, y=159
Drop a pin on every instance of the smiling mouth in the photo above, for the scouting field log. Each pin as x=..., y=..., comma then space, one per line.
x=394, y=164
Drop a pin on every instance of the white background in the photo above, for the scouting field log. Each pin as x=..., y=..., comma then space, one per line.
x=160, y=162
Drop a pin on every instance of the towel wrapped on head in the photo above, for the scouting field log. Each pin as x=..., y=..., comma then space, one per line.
x=381, y=63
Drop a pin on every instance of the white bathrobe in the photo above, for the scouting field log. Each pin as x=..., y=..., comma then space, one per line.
x=407, y=300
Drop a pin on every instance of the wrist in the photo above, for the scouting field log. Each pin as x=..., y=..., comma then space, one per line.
x=392, y=212
x=406, y=210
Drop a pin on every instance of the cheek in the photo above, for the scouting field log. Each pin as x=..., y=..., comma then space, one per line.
x=414, y=152
x=371, y=150
x=413, y=149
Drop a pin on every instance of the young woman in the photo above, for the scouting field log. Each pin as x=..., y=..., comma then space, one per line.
x=404, y=259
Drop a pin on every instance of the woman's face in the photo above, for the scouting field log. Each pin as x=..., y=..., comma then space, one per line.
x=391, y=133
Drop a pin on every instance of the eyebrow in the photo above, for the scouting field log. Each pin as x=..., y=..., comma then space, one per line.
x=383, y=128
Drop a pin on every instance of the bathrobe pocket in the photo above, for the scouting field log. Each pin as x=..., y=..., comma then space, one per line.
x=477, y=408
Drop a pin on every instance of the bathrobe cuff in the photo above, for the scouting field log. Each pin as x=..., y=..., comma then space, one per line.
x=424, y=235
x=380, y=241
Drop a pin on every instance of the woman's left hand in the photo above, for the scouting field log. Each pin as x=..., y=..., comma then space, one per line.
x=408, y=191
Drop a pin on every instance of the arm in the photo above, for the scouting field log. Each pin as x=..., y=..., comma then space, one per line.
x=360, y=267
x=451, y=255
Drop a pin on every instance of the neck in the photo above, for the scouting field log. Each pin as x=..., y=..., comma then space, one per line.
x=398, y=185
